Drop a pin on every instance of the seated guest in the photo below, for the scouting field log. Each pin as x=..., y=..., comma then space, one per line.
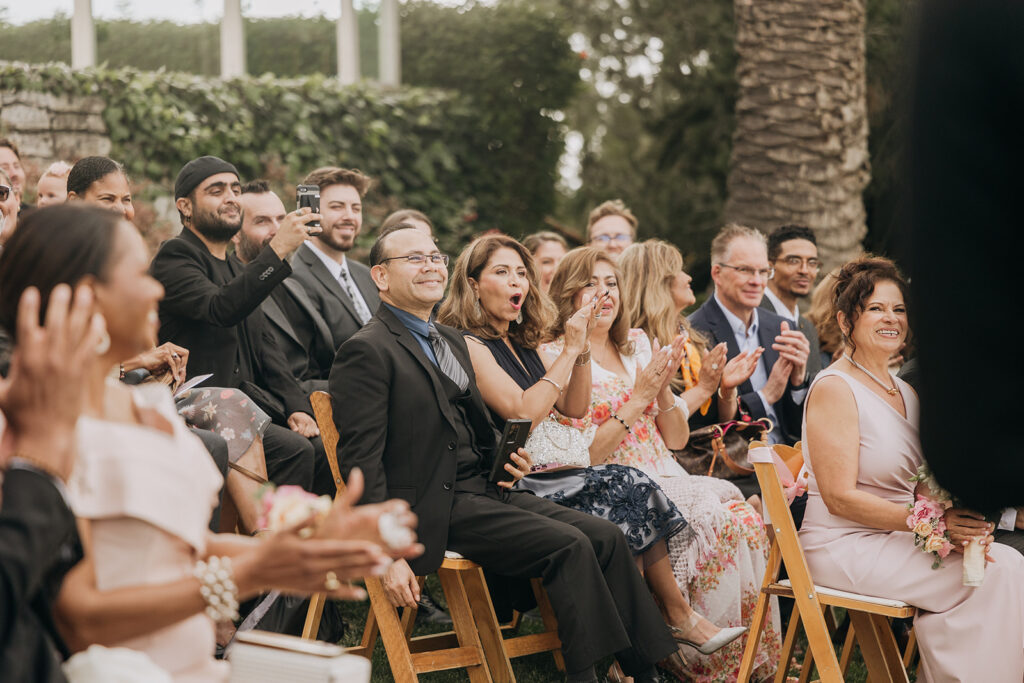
x=101, y=181
x=9, y=200
x=340, y=288
x=611, y=227
x=496, y=301
x=778, y=385
x=547, y=248
x=862, y=448
x=416, y=219
x=793, y=253
x=297, y=326
x=40, y=403
x=222, y=418
x=211, y=308
x=638, y=420
x=52, y=187
x=657, y=290
x=142, y=486
x=399, y=365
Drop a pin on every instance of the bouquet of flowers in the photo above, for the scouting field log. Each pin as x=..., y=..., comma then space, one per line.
x=285, y=506
x=927, y=523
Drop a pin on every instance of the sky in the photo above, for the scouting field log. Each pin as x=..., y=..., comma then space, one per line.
x=181, y=11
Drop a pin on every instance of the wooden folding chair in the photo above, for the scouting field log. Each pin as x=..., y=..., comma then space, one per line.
x=476, y=642
x=869, y=616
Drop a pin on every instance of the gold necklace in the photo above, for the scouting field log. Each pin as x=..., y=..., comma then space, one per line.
x=892, y=391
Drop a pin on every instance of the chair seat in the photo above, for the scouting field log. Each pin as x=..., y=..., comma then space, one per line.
x=838, y=598
x=453, y=560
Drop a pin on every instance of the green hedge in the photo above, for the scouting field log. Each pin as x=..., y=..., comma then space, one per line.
x=424, y=147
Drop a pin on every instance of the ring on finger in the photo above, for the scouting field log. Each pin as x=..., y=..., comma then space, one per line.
x=331, y=582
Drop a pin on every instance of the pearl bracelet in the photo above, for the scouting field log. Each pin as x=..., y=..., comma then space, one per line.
x=217, y=588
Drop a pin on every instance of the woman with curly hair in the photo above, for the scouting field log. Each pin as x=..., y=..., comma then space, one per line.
x=638, y=421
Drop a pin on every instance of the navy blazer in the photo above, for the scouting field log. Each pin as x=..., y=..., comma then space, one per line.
x=711, y=320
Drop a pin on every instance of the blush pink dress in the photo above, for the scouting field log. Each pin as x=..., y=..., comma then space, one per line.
x=148, y=496
x=965, y=634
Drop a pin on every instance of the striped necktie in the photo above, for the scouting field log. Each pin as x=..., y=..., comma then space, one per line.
x=446, y=360
x=361, y=310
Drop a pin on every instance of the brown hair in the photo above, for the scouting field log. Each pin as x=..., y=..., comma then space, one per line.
x=648, y=269
x=575, y=272
x=462, y=310
x=9, y=144
x=612, y=207
x=533, y=242
x=855, y=283
x=830, y=338
x=326, y=176
x=404, y=216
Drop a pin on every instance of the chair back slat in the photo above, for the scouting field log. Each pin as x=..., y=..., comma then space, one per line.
x=324, y=414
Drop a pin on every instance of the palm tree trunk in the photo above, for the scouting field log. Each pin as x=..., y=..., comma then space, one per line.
x=800, y=150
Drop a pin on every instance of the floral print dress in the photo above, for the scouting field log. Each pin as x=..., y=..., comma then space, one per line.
x=719, y=566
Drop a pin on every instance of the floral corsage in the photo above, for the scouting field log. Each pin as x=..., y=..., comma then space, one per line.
x=929, y=527
x=286, y=506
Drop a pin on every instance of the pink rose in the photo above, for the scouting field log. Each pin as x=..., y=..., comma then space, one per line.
x=946, y=549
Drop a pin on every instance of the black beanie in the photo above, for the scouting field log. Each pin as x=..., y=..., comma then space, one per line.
x=198, y=170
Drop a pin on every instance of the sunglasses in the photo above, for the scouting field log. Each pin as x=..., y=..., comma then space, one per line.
x=5, y=192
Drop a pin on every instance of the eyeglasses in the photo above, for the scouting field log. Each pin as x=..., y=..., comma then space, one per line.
x=796, y=262
x=420, y=259
x=748, y=272
x=619, y=237
x=5, y=192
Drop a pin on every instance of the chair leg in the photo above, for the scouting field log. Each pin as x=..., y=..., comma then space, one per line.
x=547, y=615
x=395, y=644
x=788, y=643
x=844, y=659
x=462, y=620
x=370, y=632
x=757, y=620
x=487, y=626
x=908, y=654
x=878, y=647
x=313, y=616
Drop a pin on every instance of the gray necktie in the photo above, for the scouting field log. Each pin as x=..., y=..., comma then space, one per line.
x=446, y=360
x=361, y=310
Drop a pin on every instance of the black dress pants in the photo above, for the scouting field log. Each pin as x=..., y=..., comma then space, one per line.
x=601, y=601
x=218, y=449
x=290, y=457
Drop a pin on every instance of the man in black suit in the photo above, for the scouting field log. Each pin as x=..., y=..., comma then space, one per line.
x=211, y=307
x=411, y=418
x=740, y=270
x=295, y=322
x=341, y=289
x=40, y=402
x=793, y=253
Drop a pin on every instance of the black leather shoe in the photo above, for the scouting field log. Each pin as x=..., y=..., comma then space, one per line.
x=429, y=611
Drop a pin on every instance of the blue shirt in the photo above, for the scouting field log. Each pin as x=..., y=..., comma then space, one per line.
x=419, y=327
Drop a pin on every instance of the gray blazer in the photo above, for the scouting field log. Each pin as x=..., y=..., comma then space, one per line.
x=327, y=295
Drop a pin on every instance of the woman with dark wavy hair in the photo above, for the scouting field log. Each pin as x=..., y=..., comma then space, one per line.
x=496, y=301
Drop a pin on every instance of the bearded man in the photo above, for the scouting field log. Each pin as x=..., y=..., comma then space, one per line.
x=211, y=307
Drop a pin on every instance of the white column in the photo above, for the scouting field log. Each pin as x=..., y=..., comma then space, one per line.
x=232, y=41
x=348, y=44
x=389, y=43
x=83, y=36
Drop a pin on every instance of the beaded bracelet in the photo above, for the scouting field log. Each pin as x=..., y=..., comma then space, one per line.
x=623, y=423
x=217, y=588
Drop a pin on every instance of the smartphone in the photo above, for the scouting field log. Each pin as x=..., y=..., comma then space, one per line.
x=309, y=195
x=512, y=439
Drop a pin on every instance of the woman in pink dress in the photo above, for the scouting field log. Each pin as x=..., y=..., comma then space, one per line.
x=143, y=486
x=861, y=439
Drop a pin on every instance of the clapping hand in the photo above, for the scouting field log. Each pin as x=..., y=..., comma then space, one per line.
x=651, y=378
x=712, y=366
x=793, y=346
x=775, y=387
x=739, y=369
x=675, y=356
x=581, y=323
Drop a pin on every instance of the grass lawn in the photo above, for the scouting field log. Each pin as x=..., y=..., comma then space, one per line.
x=533, y=669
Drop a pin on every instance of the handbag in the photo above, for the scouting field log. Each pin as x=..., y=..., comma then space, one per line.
x=720, y=450
x=554, y=445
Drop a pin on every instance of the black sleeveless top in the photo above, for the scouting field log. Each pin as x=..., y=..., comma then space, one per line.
x=524, y=365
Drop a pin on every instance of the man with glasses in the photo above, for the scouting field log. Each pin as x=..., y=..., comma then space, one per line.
x=778, y=386
x=611, y=227
x=410, y=416
x=340, y=288
x=793, y=252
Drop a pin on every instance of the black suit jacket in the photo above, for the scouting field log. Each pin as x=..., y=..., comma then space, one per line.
x=811, y=332
x=711, y=320
x=220, y=323
x=397, y=425
x=38, y=544
x=327, y=295
x=308, y=359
